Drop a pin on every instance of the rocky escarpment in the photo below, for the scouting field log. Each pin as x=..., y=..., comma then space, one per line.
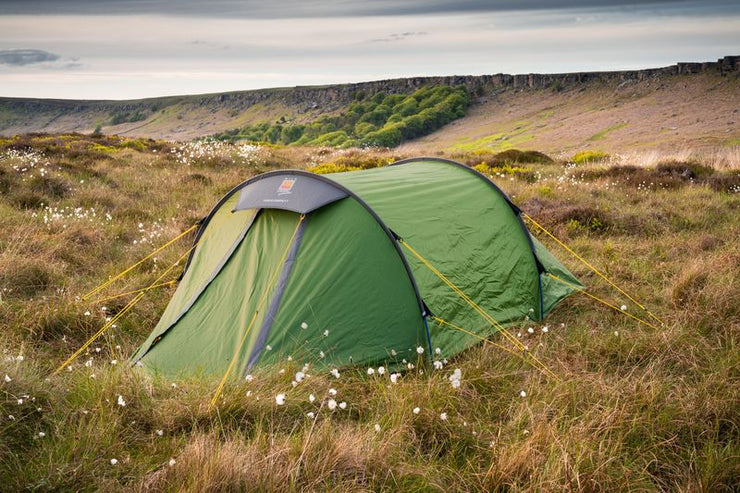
x=191, y=116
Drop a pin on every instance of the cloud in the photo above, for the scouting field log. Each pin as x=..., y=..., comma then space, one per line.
x=28, y=56
x=259, y=9
x=398, y=36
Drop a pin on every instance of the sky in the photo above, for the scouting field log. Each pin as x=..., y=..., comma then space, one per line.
x=127, y=49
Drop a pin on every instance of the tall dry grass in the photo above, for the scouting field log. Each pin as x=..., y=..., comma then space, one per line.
x=635, y=408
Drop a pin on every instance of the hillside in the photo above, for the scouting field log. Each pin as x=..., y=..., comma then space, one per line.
x=691, y=105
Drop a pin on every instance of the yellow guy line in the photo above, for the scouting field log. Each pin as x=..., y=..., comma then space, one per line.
x=119, y=314
x=476, y=307
x=168, y=283
x=578, y=288
x=594, y=269
x=545, y=371
x=129, y=269
x=267, y=291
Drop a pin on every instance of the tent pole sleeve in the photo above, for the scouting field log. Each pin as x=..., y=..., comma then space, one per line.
x=276, y=297
x=429, y=340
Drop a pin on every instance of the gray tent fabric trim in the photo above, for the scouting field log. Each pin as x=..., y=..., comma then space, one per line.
x=301, y=194
x=277, y=297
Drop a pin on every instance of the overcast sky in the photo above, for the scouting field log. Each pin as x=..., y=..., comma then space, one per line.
x=123, y=49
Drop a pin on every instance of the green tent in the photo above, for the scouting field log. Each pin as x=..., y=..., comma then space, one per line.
x=290, y=263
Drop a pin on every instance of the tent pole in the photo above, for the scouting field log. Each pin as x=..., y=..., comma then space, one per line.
x=429, y=340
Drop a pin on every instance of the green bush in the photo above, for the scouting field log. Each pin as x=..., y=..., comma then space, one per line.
x=383, y=120
x=589, y=157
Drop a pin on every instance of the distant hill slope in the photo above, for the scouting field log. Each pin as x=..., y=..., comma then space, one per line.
x=688, y=104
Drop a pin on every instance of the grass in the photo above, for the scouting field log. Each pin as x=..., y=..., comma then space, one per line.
x=586, y=157
x=601, y=135
x=634, y=409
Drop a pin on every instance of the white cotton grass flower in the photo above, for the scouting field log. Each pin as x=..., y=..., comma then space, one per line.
x=545, y=329
x=268, y=348
x=282, y=371
x=616, y=333
x=280, y=399
x=249, y=378
x=304, y=325
x=41, y=434
x=299, y=376
x=310, y=415
x=410, y=366
x=443, y=416
x=381, y=370
x=371, y=371
x=393, y=352
x=89, y=363
x=394, y=377
x=420, y=350
x=7, y=379
x=331, y=404
x=294, y=384
x=322, y=355
x=417, y=410
x=455, y=378
x=19, y=357
x=623, y=308
x=523, y=393
x=530, y=330
x=172, y=462
x=332, y=392
x=114, y=362
x=342, y=405
x=335, y=373
x=311, y=398
x=438, y=365
x=249, y=393
x=173, y=385
x=160, y=433
x=121, y=402
x=326, y=333
x=113, y=462
x=376, y=428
